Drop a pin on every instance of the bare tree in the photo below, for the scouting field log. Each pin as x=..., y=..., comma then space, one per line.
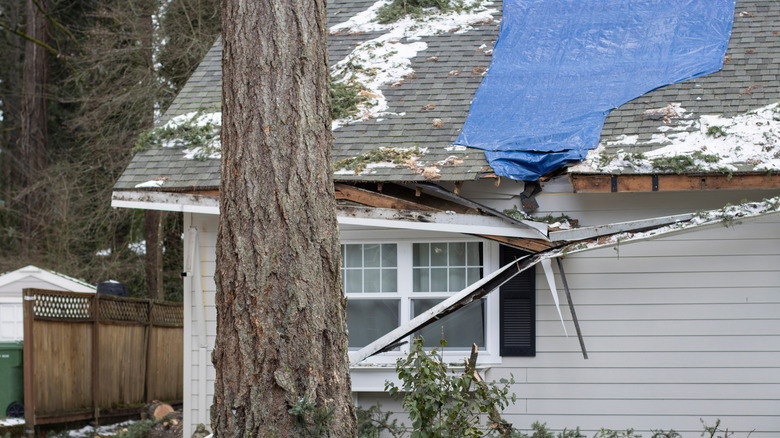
x=281, y=349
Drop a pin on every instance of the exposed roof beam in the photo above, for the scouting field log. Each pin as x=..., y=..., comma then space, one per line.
x=601, y=183
x=434, y=221
x=375, y=199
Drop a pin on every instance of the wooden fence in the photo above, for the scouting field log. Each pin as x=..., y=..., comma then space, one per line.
x=90, y=355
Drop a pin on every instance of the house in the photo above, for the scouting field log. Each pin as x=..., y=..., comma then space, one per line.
x=678, y=316
x=13, y=283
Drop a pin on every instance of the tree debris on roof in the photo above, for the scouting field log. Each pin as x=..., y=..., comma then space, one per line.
x=746, y=142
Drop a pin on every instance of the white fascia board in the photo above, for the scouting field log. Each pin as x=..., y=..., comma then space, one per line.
x=660, y=231
x=449, y=222
x=619, y=227
x=165, y=201
x=367, y=217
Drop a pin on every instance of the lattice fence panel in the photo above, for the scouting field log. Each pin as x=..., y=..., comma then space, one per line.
x=171, y=315
x=126, y=311
x=60, y=306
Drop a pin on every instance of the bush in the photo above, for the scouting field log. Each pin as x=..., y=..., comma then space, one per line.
x=443, y=404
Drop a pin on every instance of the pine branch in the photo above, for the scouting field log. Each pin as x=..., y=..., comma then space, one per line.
x=19, y=33
x=58, y=25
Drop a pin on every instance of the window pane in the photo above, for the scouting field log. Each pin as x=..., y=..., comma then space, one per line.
x=353, y=281
x=371, y=280
x=353, y=256
x=438, y=254
x=474, y=275
x=474, y=250
x=460, y=329
x=389, y=280
x=367, y=320
x=420, y=279
x=457, y=254
x=438, y=280
x=457, y=279
x=371, y=255
x=389, y=255
x=420, y=254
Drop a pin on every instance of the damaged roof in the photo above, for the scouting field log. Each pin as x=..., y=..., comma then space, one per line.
x=427, y=108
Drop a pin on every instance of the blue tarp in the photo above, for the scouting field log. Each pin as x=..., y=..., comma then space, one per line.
x=560, y=66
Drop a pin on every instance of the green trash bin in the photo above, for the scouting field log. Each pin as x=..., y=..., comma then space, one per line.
x=11, y=379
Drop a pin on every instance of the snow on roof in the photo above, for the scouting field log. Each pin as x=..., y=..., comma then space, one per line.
x=386, y=59
x=746, y=142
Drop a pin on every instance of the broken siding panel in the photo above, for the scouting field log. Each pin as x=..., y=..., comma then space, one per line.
x=666, y=348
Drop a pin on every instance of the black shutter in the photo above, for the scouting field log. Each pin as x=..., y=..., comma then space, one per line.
x=518, y=309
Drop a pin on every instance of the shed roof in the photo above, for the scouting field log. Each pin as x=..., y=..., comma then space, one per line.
x=33, y=276
x=446, y=75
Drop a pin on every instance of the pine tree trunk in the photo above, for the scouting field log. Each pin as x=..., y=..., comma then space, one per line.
x=153, y=262
x=281, y=330
x=152, y=219
x=33, y=136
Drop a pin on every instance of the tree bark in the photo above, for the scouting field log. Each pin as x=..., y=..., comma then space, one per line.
x=152, y=219
x=33, y=137
x=153, y=262
x=281, y=329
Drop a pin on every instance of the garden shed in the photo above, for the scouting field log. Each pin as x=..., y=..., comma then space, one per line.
x=13, y=283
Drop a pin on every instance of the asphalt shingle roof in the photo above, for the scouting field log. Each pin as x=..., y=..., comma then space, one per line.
x=754, y=59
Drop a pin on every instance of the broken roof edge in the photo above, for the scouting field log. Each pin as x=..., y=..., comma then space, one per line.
x=669, y=182
x=707, y=219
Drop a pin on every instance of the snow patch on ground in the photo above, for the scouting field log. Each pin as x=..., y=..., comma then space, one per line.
x=386, y=60
x=89, y=431
x=724, y=144
x=11, y=421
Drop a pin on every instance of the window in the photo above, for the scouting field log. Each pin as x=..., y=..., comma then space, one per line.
x=390, y=282
x=387, y=284
x=438, y=270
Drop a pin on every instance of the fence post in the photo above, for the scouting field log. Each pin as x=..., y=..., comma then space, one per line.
x=96, y=358
x=29, y=363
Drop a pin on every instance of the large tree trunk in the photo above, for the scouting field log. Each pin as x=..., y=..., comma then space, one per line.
x=33, y=137
x=281, y=330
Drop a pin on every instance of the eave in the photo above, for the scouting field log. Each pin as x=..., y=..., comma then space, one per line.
x=604, y=183
x=375, y=210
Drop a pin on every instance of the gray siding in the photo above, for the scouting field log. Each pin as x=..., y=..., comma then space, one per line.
x=678, y=328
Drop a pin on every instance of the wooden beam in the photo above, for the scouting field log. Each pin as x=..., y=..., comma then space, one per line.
x=374, y=199
x=214, y=192
x=28, y=362
x=437, y=203
x=592, y=183
x=531, y=245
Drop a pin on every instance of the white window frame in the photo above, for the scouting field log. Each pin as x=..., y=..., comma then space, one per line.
x=490, y=353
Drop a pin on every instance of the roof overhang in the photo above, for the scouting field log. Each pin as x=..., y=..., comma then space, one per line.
x=450, y=222
x=605, y=183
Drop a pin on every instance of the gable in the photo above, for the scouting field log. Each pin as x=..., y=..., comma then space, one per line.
x=427, y=108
